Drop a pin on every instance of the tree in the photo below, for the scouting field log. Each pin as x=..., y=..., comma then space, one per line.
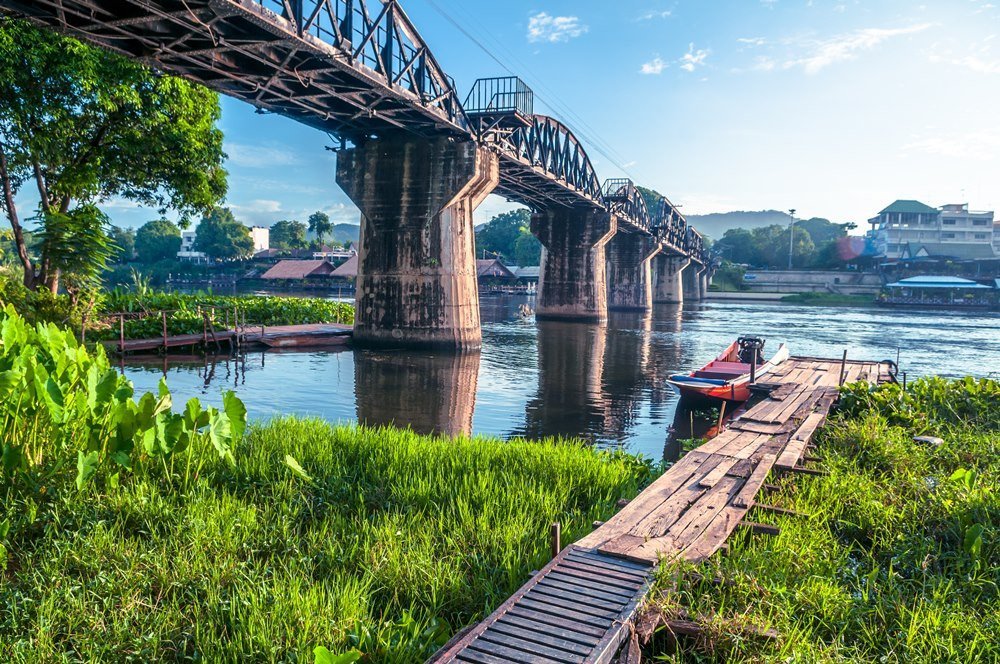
x=288, y=235
x=527, y=250
x=123, y=240
x=739, y=246
x=499, y=236
x=319, y=223
x=82, y=125
x=822, y=230
x=219, y=235
x=157, y=240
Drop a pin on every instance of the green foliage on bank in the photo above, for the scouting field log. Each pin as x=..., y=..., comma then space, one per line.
x=133, y=533
x=896, y=556
x=184, y=312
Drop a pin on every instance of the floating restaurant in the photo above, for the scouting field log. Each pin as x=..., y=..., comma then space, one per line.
x=931, y=291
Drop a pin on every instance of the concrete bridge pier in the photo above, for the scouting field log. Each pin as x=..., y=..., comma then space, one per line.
x=704, y=280
x=573, y=280
x=416, y=284
x=630, y=277
x=692, y=282
x=668, y=271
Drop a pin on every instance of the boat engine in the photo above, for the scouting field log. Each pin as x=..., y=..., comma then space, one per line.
x=751, y=350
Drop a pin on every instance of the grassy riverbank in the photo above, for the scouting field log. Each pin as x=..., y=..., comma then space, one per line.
x=897, y=558
x=395, y=541
x=132, y=531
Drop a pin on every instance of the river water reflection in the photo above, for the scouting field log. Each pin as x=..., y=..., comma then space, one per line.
x=605, y=384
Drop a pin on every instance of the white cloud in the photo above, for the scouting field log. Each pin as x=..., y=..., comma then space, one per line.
x=847, y=47
x=650, y=15
x=259, y=156
x=979, y=145
x=752, y=41
x=543, y=27
x=693, y=59
x=654, y=66
x=971, y=62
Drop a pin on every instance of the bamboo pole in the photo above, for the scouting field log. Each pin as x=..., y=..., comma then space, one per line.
x=121, y=333
x=555, y=532
x=843, y=368
x=163, y=318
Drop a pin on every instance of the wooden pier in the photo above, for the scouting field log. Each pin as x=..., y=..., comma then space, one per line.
x=277, y=336
x=580, y=607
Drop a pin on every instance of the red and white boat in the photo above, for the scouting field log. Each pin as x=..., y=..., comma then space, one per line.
x=728, y=377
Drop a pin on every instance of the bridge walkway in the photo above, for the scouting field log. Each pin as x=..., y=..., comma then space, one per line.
x=580, y=607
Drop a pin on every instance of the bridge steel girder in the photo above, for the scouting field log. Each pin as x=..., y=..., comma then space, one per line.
x=417, y=282
x=330, y=64
x=572, y=284
x=630, y=278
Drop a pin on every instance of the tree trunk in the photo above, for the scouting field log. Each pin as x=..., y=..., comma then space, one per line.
x=15, y=224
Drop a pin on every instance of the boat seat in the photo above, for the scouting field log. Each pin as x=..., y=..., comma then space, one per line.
x=724, y=375
x=738, y=367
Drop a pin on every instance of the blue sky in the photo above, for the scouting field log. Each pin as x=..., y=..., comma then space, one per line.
x=833, y=107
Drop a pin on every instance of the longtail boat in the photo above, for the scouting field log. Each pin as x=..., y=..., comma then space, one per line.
x=729, y=376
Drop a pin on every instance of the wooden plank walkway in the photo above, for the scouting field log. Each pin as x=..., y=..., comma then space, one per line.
x=579, y=608
x=302, y=336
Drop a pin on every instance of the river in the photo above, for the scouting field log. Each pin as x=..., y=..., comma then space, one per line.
x=605, y=384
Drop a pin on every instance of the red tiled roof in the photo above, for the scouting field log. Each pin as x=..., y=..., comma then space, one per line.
x=348, y=269
x=289, y=269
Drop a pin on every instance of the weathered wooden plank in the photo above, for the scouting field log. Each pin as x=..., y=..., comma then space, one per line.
x=590, y=557
x=581, y=613
x=744, y=498
x=527, y=630
x=476, y=657
x=502, y=646
x=647, y=501
x=717, y=473
x=585, y=633
x=604, y=577
x=584, y=596
x=590, y=588
x=796, y=446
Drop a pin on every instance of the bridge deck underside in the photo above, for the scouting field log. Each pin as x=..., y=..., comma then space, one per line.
x=235, y=49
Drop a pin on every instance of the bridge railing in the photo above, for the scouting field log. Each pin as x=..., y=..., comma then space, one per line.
x=384, y=40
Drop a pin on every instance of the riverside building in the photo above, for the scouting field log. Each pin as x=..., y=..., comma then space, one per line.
x=909, y=229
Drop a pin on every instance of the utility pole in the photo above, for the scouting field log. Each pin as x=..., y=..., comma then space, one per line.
x=791, y=235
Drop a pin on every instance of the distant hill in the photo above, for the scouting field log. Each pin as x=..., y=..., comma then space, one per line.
x=716, y=224
x=342, y=233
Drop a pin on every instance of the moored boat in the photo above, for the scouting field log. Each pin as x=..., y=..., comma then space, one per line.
x=729, y=376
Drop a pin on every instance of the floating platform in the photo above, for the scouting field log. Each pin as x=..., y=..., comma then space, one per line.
x=313, y=335
x=581, y=606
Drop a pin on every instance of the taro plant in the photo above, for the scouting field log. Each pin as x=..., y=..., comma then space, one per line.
x=65, y=409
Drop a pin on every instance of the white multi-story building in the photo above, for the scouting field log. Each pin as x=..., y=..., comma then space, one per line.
x=261, y=236
x=187, y=252
x=911, y=229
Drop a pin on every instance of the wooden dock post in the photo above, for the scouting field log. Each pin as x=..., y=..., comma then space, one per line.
x=555, y=533
x=843, y=369
x=121, y=333
x=163, y=318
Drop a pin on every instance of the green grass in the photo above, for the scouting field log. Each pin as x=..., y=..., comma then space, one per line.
x=898, y=558
x=830, y=299
x=395, y=542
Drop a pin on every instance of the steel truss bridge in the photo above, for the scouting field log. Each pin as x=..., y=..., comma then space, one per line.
x=358, y=69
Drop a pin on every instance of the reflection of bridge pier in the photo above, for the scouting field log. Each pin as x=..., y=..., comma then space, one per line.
x=430, y=393
x=570, y=370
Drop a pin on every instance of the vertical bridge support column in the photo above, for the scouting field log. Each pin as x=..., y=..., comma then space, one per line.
x=669, y=282
x=573, y=280
x=630, y=283
x=704, y=279
x=692, y=282
x=416, y=285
